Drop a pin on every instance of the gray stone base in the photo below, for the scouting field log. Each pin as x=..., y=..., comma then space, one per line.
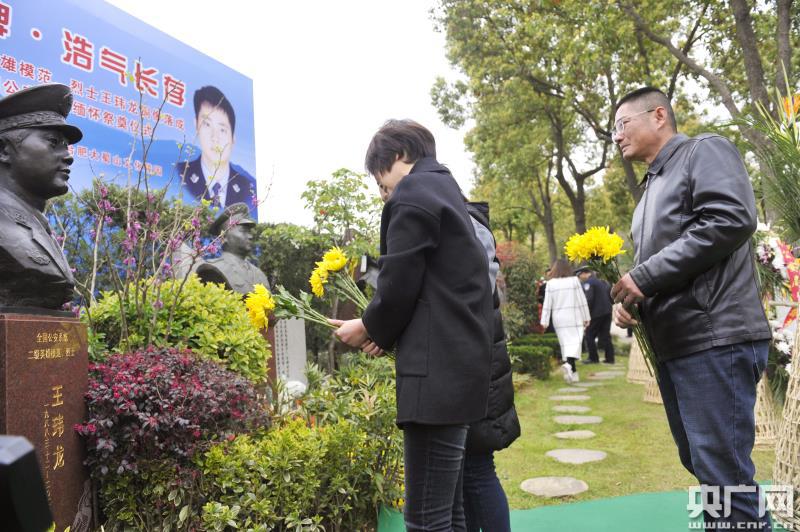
x=589, y=384
x=554, y=486
x=571, y=390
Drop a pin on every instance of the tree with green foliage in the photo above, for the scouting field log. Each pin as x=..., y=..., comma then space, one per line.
x=346, y=212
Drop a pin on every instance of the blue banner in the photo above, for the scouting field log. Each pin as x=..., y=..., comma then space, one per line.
x=132, y=82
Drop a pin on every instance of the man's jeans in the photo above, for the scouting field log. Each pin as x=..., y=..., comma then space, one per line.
x=709, y=398
x=485, y=502
x=434, y=467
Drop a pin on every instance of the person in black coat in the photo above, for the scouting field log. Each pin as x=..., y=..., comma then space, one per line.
x=598, y=296
x=485, y=502
x=433, y=305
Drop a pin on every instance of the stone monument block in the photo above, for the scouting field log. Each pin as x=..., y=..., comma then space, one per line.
x=43, y=379
x=289, y=349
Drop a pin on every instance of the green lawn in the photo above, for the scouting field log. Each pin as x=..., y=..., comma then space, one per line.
x=641, y=454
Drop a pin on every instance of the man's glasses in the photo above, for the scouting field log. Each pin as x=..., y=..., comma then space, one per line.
x=619, y=125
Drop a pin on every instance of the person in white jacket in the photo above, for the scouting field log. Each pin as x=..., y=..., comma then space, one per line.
x=565, y=302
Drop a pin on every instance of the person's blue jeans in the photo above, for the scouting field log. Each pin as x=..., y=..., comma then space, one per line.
x=485, y=503
x=709, y=398
x=434, y=466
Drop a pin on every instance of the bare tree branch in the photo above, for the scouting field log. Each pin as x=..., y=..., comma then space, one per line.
x=749, y=47
x=690, y=40
x=715, y=81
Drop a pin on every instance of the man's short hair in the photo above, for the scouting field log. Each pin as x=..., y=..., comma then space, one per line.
x=214, y=97
x=404, y=138
x=651, y=97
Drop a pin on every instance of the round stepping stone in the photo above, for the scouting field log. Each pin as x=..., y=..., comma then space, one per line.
x=578, y=420
x=576, y=456
x=554, y=486
x=569, y=397
x=571, y=409
x=601, y=377
x=575, y=434
x=588, y=384
x=571, y=390
x=612, y=373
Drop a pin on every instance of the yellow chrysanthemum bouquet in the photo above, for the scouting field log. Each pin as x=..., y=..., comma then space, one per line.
x=334, y=271
x=599, y=248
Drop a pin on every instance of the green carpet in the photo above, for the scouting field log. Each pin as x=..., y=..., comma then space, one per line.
x=650, y=512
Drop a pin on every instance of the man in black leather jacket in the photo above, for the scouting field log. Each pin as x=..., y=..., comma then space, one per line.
x=694, y=282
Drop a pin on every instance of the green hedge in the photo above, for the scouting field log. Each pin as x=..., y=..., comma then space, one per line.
x=531, y=359
x=206, y=318
x=549, y=340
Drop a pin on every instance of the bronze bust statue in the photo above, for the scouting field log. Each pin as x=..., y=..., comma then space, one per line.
x=232, y=268
x=34, y=167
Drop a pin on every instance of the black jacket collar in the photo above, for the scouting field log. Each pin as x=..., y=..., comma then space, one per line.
x=428, y=164
x=666, y=153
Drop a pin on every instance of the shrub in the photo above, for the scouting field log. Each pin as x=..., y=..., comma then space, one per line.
x=531, y=359
x=207, y=318
x=549, y=340
x=293, y=474
x=520, y=271
x=333, y=461
x=515, y=322
x=150, y=414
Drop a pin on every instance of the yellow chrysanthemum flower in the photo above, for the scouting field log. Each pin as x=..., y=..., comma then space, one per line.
x=334, y=259
x=597, y=242
x=318, y=278
x=259, y=304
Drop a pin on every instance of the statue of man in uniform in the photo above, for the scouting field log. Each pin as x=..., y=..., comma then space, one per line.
x=34, y=167
x=233, y=268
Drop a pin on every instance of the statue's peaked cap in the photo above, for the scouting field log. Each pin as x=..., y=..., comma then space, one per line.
x=236, y=214
x=40, y=106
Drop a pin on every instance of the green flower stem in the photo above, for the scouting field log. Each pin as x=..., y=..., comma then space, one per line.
x=610, y=272
x=347, y=287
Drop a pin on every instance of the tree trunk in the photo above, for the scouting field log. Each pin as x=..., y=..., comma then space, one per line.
x=631, y=179
x=783, y=72
x=753, y=66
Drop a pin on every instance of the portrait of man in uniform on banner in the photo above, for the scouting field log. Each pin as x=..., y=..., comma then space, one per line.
x=212, y=176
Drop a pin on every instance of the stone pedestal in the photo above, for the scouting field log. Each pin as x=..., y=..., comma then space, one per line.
x=43, y=379
x=290, y=350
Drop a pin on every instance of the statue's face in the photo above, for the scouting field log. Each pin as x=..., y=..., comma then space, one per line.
x=40, y=163
x=239, y=240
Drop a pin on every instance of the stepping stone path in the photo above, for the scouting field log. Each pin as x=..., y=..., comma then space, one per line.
x=576, y=456
x=612, y=373
x=578, y=420
x=603, y=377
x=554, y=486
x=562, y=486
x=571, y=409
x=575, y=434
x=569, y=397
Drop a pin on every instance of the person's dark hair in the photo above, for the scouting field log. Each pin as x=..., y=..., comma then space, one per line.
x=404, y=138
x=561, y=268
x=650, y=98
x=214, y=97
